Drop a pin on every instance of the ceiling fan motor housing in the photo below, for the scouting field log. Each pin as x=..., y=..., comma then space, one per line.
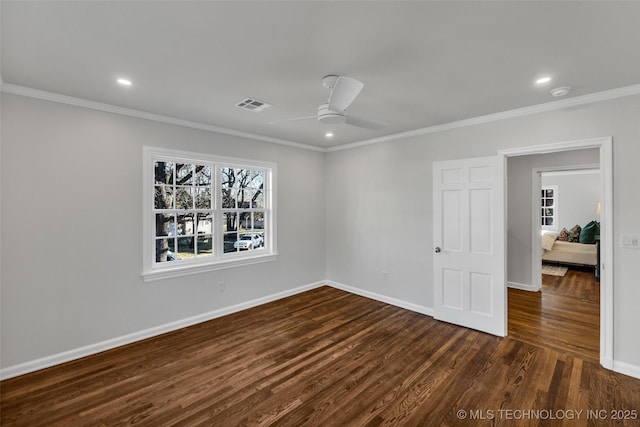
x=325, y=115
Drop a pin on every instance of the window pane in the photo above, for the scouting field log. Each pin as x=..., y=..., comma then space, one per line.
x=163, y=197
x=230, y=221
x=244, y=198
x=229, y=198
x=165, y=225
x=205, y=245
x=165, y=250
x=548, y=202
x=186, y=247
x=548, y=221
x=247, y=242
x=242, y=178
x=185, y=224
x=203, y=175
x=257, y=179
x=549, y=193
x=184, y=174
x=229, y=241
x=184, y=198
x=548, y=212
x=245, y=221
x=163, y=172
x=258, y=200
x=258, y=221
x=205, y=225
x=203, y=198
x=228, y=178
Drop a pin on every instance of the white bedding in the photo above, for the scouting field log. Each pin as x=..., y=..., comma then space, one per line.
x=571, y=253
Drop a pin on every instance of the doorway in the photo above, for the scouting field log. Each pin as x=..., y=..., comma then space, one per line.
x=564, y=198
x=604, y=151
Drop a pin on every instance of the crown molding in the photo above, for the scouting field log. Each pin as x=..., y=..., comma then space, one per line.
x=518, y=112
x=101, y=106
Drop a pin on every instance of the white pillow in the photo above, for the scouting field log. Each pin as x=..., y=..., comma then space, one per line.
x=548, y=239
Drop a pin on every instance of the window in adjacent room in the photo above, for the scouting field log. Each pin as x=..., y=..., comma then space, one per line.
x=204, y=212
x=549, y=207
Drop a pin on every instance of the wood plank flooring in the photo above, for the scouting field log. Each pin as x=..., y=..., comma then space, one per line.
x=322, y=358
x=564, y=316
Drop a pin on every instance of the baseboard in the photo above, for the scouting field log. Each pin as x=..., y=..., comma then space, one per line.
x=67, y=356
x=521, y=286
x=382, y=298
x=627, y=369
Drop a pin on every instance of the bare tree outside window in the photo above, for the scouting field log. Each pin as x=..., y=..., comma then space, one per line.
x=183, y=210
x=243, y=206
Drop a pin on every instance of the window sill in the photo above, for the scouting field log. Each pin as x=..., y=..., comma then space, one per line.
x=186, y=270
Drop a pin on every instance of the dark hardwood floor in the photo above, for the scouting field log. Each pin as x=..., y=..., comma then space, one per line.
x=564, y=316
x=324, y=358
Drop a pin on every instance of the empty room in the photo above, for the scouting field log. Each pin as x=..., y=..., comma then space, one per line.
x=349, y=213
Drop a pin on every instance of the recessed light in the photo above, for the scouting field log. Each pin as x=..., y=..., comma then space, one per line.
x=543, y=80
x=124, y=82
x=329, y=134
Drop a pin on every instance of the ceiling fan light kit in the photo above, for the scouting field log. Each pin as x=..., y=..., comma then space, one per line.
x=329, y=81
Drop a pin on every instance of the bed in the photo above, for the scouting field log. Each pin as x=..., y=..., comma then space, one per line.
x=565, y=247
x=571, y=253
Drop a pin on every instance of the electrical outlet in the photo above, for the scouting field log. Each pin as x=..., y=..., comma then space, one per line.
x=385, y=275
x=221, y=286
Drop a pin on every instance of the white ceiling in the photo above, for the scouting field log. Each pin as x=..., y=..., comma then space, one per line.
x=422, y=63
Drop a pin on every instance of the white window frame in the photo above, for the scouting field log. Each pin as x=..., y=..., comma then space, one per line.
x=153, y=270
x=553, y=227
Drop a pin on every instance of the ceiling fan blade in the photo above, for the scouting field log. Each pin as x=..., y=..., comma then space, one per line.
x=295, y=119
x=344, y=92
x=364, y=123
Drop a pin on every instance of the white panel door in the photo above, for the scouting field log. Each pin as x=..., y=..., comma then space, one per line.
x=468, y=234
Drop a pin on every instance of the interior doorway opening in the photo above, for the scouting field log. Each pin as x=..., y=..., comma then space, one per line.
x=520, y=273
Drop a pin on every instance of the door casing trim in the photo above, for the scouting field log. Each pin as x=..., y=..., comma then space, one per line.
x=605, y=147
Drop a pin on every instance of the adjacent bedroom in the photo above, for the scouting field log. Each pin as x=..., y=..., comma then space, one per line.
x=570, y=221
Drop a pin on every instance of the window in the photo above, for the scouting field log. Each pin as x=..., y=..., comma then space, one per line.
x=203, y=213
x=549, y=207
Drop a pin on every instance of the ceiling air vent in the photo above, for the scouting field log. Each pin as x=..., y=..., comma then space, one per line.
x=253, y=105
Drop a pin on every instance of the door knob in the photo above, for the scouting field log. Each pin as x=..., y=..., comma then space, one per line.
x=438, y=250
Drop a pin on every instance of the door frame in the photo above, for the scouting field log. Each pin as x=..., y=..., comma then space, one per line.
x=605, y=147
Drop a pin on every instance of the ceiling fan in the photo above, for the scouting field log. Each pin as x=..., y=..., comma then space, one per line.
x=343, y=91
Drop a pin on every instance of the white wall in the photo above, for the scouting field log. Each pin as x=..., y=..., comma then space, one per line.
x=72, y=228
x=578, y=196
x=76, y=281
x=379, y=213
